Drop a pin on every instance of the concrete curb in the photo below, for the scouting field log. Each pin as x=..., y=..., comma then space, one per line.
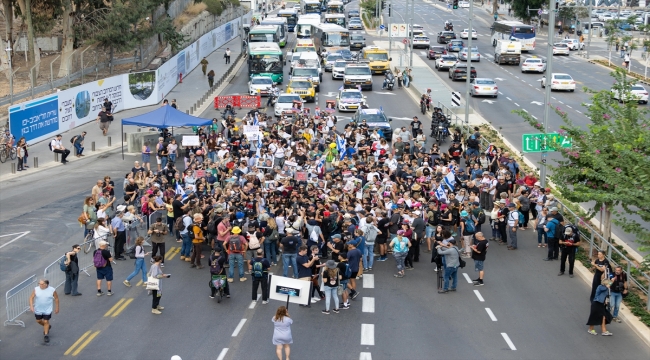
x=592, y=61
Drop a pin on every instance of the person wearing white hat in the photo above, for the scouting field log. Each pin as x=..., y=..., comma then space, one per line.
x=102, y=260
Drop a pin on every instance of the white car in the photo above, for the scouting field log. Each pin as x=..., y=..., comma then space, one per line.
x=533, y=64
x=476, y=56
x=445, y=62
x=465, y=34
x=605, y=17
x=573, y=44
x=637, y=92
x=561, y=49
x=285, y=103
x=260, y=85
x=421, y=42
x=463, y=4
x=349, y=100
x=338, y=69
x=483, y=87
x=560, y=81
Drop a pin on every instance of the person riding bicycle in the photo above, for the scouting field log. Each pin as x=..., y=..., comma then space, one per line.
x=217, y=270
x=8, y=139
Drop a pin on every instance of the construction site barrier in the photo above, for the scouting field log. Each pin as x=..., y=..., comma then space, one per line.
x=238, y=101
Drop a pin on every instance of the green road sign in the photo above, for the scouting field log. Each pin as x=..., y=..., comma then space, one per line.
x=541, y=142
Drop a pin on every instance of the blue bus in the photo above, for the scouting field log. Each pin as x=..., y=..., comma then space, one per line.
x=291, y=16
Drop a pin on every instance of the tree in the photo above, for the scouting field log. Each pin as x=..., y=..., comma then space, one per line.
x=26, y=13
x=609, y=163
x=520, y=8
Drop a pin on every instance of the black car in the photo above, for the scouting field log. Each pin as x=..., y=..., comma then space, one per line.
x=436, y=52
x=445, y=36
x=459, y=72
x=357, y=42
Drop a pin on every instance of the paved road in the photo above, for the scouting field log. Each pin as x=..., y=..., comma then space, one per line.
x=542, y=315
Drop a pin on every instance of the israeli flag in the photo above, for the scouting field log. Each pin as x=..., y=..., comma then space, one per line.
x=320, y=165
x=256, y=120
x=340, y=146
x=341, y=88
x=450, y=180
x=179, y=190
x=440, y=193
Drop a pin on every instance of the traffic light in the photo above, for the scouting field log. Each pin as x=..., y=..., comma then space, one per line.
x=389, y=9
x=383, y=4
x=455, y=4
x=557, y=5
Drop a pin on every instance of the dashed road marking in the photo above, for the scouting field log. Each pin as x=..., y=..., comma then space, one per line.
x=569, y=106
x=478, y=295
x=368, y=281
x=239, y=327
x=368, y=304
x=364, y=356
x=516, y=104
x=508, y=341
x=222, y=354
x=469, y=281
x=534, y=117
x=508, y=98
x=491, y=314
x=254, y=302
x=367, y=334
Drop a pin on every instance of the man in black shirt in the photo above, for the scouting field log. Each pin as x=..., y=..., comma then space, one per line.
x=455, y=152
x=336, y=246
x=178, y=209
x=478, y=255
x=554, y=212
x=108, y=106
x=104, y=120
x=502, y=187
x=130, y=191
x=415, y=126
x=569, y=242
x=289, y=246
x=260, y=274
x=304, y=269
x=382, y=238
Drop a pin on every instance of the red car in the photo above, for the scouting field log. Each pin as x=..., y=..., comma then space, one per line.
x=436, y=52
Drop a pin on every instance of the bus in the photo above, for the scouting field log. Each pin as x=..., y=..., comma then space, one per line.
x=330, y=38
x=335, y=7
x=310, y=6
x=338, y=19
x=266, y=58
x=506, y=30
x=292, y=18
x=282, y=24
x=306, y=24
x=265, y=33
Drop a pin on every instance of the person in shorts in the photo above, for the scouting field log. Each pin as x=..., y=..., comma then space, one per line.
x=43, y=300
x=104, y=120
x=106, y=272
x=479, y=250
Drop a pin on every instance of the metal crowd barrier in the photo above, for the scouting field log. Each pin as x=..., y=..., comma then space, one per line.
x=158, y=214
x=17, y=299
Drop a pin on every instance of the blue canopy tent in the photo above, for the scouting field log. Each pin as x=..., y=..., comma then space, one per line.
x=164, y=117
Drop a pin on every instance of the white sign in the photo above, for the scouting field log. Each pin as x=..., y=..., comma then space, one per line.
x=398, y=30
x=191, y=140
x=251, y=129
x=287, y=289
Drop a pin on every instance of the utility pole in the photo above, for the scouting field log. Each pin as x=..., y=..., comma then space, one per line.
x=411, y=33
x=469, y=61
x=390, y=35
x=547, y=95
x=589, y=30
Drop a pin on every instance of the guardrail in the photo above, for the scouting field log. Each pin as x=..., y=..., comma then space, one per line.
x=596, y=241
x=216, y=85
x=17, y=299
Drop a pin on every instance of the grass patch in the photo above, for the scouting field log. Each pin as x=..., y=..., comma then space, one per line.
x=614, y=66
x=195, y=9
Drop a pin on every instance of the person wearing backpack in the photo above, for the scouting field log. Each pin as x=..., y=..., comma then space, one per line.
x=513, y=225
x=236, y=246
x=452, y=263
x=255, y=239
x=479, y=215
x=370, y=231
x=72, y=271
x=400, y=245
x=524, y=200
x=467, y=229
x=260, y=274
x=102, y=260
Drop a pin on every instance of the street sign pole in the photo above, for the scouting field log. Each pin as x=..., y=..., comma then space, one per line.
x=411, y=19
x=549, y=74
x=390, y=32
x=469, y=62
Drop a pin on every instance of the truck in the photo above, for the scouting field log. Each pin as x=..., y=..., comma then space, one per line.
x=507, y=52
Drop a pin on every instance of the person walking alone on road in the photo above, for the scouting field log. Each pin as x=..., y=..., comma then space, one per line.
x=211, y=78
x=104, y=118
x=479, y=250
x=156, y=272
x=72, y=271
x=282, y=338
x=158, y=231
x=20, y=155
x=140, y=265
x=568, y=245
x=57, y=147
x=260, y=274
x=227, y=55
x=400, y=246
x=599, y=314
x=204, y=65
x=627, y=62
x=331, y=282
x=42, y=301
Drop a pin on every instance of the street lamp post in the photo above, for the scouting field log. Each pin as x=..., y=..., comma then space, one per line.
x=469, y=61
x=547, y=94
x=11, y=73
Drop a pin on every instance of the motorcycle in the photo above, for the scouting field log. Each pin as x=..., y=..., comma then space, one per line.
x=449, y=27
x=228, y=111
x=390, y=81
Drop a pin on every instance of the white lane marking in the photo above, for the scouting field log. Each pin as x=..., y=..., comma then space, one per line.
x=524, y=110
x=368, y=281
x=508, y=98
x=560, y=102
x=478, y=295
x=222, y=354
x=368, y=304
x=515, y=76
x=367, y=334
x=516, y=104
x=469, y=281
x=500, y=93
x=252, y=305
x=491, y=314
x=553, y=98
x=569, y=106
x=530, y=84
x=238, y=328
x=365, y=356
x=508, y=341
x=579, y=112
x=22, y=234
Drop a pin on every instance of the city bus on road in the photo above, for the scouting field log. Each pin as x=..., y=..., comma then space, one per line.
x=335, y=7
x=306, y=25
x=330, y=38
x=507, y=30
x=266, y=58
x=282, y=24
x=292, y=18
x=338, y=19
x=310, y=6
x=265, y=33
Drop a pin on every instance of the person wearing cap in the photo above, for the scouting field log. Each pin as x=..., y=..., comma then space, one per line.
x=569, y=244
x=331, y=281
x=540, y=221
x=106, y=271
x=451, y=254
x=236, y=246
x=556, y=214
x=197, y=241
x=119, y=232
x=513, y=225
x=400, y=246
x=552, y=229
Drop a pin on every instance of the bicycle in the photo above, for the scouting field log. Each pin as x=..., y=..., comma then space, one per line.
x=218, y=282
x=89, y=241
x=5, y=153
x=423, y=107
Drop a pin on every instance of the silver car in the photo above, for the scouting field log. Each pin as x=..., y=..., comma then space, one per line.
x=483, y=87
x=476, y=56
x=330, y=60
x=338, y=69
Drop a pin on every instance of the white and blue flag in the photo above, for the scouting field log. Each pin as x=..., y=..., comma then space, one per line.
x=450, y=180
x=340, y=146
x=256, y=120
x=320, y=165
x=440, y=193
x=179, y=190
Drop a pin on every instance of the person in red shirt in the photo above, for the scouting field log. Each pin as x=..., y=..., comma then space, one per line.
x=530, y=179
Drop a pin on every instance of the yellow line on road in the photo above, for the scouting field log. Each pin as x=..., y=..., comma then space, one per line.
x=172, y=252
x=67, y=352
x=108, y=313
x=118, y=311
x=85, y=343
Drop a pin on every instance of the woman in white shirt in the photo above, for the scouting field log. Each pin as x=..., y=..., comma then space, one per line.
x=101, y=231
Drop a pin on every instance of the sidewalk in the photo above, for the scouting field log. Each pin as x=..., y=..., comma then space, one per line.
x=193, y=87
